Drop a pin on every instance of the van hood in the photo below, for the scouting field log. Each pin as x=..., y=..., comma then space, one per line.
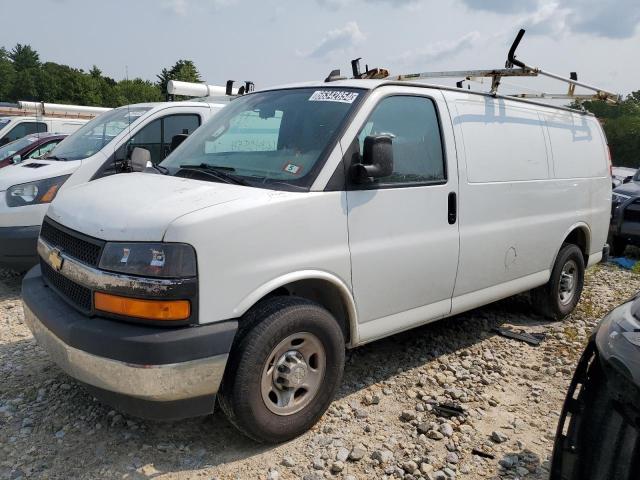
x=25, y=172
x=139, y=206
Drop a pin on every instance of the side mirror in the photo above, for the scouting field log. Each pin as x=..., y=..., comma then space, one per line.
x=16, y=159
x=627, y=179
x=377, y=158
x=140, y=159
x=176, y=140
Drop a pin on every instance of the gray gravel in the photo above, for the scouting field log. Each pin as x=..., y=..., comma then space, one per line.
x=382, y=425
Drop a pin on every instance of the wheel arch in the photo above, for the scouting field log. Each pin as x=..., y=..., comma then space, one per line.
x=319, y=286
x=578, y=234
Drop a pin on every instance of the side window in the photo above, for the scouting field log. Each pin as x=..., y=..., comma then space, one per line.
x=150, y=137
x=156, y=136
x=417, y=145
x=26, y=128
x=43, y=149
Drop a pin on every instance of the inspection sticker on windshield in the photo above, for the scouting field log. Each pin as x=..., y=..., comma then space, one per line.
x=291, y=168
x=333, y=96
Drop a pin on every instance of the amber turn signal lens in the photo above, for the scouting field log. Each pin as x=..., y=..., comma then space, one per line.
x=139, y=308
x=50, y=194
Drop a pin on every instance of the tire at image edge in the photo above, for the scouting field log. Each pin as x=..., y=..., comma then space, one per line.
x=263, y=327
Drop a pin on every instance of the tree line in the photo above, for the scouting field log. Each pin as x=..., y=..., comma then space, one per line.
x=621, y=123
x=23, y=76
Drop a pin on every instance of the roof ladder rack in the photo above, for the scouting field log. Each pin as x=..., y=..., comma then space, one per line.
x=517, y=68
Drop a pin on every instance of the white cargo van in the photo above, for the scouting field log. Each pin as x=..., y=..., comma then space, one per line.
x=14, y=128
x=301, y=220
x=100, y=148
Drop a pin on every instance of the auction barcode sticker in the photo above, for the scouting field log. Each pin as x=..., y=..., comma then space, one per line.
x=333, y=96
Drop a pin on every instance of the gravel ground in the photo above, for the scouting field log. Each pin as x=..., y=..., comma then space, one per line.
x=382, y=425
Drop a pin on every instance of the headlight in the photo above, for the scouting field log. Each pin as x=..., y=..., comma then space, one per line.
x=33, y=193
x=166, y=260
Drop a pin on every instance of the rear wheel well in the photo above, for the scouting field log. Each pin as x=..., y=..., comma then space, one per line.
x=323, y=293
x=580, y=237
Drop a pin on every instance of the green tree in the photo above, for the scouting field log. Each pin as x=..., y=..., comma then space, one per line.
x=621, y=124
x=24, y=57
x=7, y=74
x=183, y=70
x=137, y=91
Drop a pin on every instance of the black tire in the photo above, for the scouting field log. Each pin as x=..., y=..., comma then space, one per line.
x=617, y=247
x=262, y=329
x=547, y=298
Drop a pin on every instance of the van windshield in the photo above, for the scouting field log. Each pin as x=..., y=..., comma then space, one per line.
x=97, y=133
x=275, y=139
x=10, y=148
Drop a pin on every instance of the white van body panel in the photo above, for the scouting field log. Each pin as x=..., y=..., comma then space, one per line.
x=521, y=190
x=54, y=125
x=260, y=240
x=517, y=199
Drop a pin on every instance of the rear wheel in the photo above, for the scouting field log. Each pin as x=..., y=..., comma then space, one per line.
x=561, y=294
x=283, y=370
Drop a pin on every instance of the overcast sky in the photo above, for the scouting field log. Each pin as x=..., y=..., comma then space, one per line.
x=281, y=41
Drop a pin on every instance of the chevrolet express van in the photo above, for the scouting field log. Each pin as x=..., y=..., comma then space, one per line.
x=100, y=148
x=305, y=219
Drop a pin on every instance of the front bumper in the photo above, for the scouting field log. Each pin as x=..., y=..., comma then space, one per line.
x=18, y=247
x=625, y=221
x=151, y=372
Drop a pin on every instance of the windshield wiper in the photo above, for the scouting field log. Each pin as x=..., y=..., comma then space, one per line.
x=218, y=172
x=53, y=157
x=160, y=169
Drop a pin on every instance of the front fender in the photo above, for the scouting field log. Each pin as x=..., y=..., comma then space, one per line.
x=347, y=297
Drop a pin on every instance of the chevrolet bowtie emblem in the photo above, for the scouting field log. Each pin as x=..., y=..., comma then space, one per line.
x=55, y=259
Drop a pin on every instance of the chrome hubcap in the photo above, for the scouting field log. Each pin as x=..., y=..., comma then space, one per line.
x=568, y=282
x=293, y=373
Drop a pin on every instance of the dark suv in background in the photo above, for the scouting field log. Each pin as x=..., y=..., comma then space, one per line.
x=624, y=228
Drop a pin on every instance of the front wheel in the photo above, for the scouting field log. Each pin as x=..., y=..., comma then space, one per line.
x=561, y=294
x=284, y=369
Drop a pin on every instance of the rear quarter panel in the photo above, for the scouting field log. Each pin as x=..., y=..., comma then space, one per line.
x=528, y=175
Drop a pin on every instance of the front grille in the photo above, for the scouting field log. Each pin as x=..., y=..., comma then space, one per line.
x=85, y=249
x=76, y=294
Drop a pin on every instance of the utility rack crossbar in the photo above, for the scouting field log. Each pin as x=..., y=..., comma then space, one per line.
x=513, y=68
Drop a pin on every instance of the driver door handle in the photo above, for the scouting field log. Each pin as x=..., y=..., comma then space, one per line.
x=453, y=208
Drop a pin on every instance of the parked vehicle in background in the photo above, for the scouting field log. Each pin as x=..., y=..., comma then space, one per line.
x=15, y=128
x=303, y=219
x=598, y=433
x=622, y=175
x=624, y=227
x=100, y=148
x=31, y=146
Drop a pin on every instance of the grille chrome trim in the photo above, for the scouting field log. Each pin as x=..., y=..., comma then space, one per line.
x=82, y=247
x=95, y=279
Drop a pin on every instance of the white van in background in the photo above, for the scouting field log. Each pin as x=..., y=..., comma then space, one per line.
x=304, y=219
x=100, y=148
x=29, y=118
x=14, y=128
